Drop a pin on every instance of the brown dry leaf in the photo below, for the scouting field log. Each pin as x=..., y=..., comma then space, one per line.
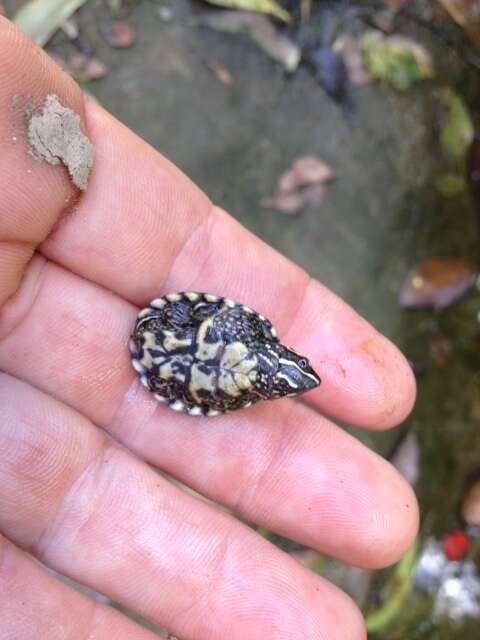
x=301, y=186
x=82, y=67
x=119, y=34
x=471, y=505
x=436, y=283
x=220, y=73
x=466, y=14
x=295, y=201
x=306, y=170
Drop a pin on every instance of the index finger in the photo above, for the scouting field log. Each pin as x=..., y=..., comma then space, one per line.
x=142, y=229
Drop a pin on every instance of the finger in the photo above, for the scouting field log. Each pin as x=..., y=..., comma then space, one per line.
x=92, y=511
x=342, y=498
x=33, y=193
x=142, y=228
x=36, y=605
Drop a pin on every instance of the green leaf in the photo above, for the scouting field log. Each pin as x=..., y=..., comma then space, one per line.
x=395, y=60
x=39, y=19
x=382, y=617
x=260, y=6
x=457, y=131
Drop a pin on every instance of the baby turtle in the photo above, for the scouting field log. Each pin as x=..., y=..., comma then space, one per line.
x=205, y=355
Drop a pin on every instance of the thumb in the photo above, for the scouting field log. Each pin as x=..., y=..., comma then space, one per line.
x=33, y=194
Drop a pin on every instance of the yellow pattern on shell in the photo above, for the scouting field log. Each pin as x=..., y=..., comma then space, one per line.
x=237, y=370
x=200, y=381
x=171, y=342
x=206, y=350
x=166, y=372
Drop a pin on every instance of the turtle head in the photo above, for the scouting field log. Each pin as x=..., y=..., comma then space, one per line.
x=294, y=374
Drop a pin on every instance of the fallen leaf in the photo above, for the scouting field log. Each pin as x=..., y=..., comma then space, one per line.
x=39, y=19
x=349, y=48
x=220, y=73
x=118, y=34
x=306, y=170
x=261, y=6
x=301, y=186
x=467, y=15
x=259, y=29
x=83, y=67
x=395, y=60
x=295, y=201
x=437, y=283
x=457, y=131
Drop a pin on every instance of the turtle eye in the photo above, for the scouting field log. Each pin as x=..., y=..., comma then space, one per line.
x=302, y=363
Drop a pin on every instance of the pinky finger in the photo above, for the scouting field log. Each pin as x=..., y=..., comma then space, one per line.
x=33, y=604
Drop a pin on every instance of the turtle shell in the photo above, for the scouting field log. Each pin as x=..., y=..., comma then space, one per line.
x=205, y=355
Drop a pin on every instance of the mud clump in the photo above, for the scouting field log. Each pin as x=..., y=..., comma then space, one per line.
x=55, y=136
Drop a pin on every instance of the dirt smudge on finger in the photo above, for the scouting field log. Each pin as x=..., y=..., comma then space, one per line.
x=55, y=136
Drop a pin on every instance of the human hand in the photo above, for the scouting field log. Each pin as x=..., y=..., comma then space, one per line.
x=78, y=433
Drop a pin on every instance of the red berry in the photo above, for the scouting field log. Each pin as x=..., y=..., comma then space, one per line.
x=456, y=545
